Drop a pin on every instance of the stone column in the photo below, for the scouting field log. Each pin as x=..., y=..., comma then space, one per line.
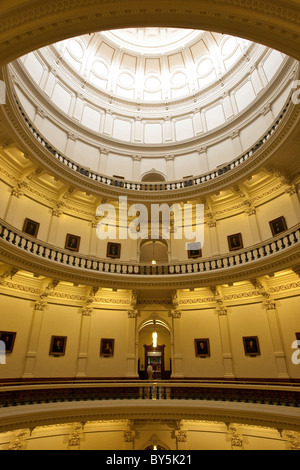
x=268, y=114
x=75, y=437
x=204, y=165
x=84, y=341
x=279, y=354
x=35, y=330
x=167, y=130
x=129, y=437
x=93, y=238
x=225, y=342
x=131, y=370
x=181, y=438
x=236, y=143
x=70, y=145
x=103, y=161
x=235, y=437
x=292, y=192
x=19, y=439
x=292, y=439
x=54, y=224
x=11, y=215
x=251, y=212
x=170, y=167
x=177, y=356
x=138, y=130
x=39, y=118
x=136, y=167
x=213, y=238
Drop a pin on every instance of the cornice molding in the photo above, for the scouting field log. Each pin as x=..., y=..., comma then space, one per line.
x=30, y=416
x=31, y=25
x=105, y=274
x=271, y=150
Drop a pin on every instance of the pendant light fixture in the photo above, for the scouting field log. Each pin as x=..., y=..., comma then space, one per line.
x=153, y=257
x=154, y=336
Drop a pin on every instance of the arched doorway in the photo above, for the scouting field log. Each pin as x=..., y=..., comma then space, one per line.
x=154, y=250
x=159, y=354
x=153, y=176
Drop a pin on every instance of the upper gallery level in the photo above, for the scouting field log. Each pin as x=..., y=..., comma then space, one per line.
x=153, y=104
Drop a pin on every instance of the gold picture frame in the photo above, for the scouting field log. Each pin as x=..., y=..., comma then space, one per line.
x=58, y=345
x=107, y=347
x=251, y=346
x=8, y=338
x=113, y=250
x=72, y=242
x=202, y=347
x=31, y=227
x=235, y=242
x=278, y=225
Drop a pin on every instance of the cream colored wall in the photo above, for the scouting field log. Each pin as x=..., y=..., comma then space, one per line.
x=251, y=320
x=243, y=319
x=54, y=230
x=58, y=320
x=17, y=315
x=196, y=324
x=85, y=332
x=107, y=324
x=288, y=317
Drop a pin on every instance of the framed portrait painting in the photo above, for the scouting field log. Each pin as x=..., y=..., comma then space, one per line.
x=8, y=339
x=72, y=242
x=202, y=347
x=235, y=242
x=278, y=225
x=113, y=250
x=31, y=227
x=58, y=346
x=251, y=346
x=193, y=254
x=107, y=347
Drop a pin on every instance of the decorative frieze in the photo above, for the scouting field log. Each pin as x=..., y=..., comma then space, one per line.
x=129, y=436
x=270, y=305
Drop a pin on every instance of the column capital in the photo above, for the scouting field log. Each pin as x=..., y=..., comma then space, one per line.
x=250, y=211
x=175, y=313
x=202, y=149
x=181, y=435
x=129, y=436
x=221, y=310
x=40, y=305
x=87, y=311
x=270, y=305
x=291, y=190
x=133, y=313
x=235, y=436
x=235, y=134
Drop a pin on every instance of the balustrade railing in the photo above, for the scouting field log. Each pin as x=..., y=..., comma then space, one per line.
x=63, y=257
x=155, y=186
x=281, y=394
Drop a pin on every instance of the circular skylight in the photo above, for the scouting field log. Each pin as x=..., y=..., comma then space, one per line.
x=152, y=64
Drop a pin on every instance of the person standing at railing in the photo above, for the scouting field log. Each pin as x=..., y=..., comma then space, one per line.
x=150, y=372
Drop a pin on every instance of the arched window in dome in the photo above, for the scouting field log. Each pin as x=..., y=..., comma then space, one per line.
x=153, y=177
x=154, y=251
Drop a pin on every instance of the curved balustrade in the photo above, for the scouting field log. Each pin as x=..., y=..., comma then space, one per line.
x=159, y=186
x=284, y=394
x=62, y=257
